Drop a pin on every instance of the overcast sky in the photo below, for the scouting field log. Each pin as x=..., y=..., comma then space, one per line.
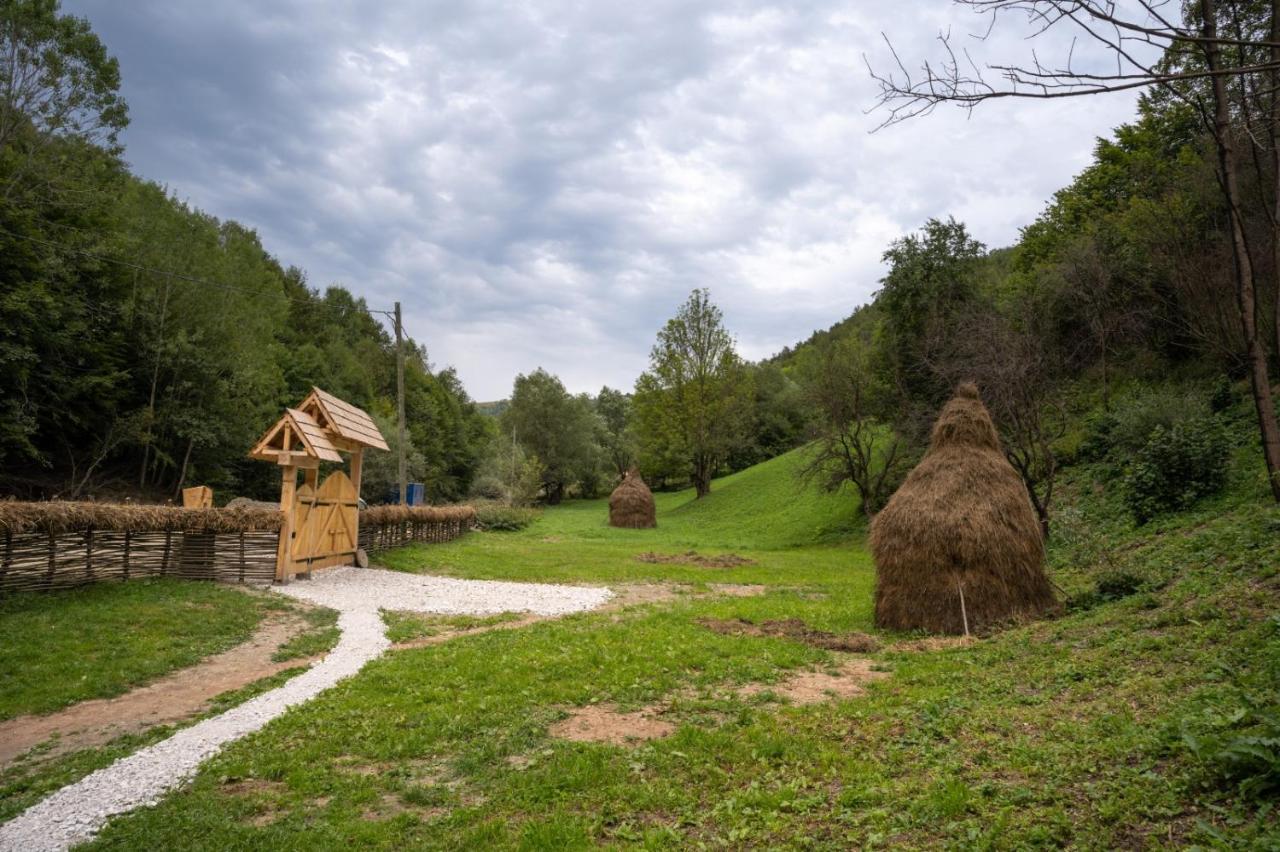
x=543, y=183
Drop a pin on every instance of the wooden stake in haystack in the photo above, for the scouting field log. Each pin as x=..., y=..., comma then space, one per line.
x=631, y=504
x=959, y=547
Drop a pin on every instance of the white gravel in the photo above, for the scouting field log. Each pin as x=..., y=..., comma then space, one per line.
x=75, y=813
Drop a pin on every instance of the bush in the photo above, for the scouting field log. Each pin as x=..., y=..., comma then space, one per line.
x=1223, y=396
x=497, y=517
x=489, y=487
x=1115, y=585
x=1118, y=434
x=1137, y=417
x=1176, y=467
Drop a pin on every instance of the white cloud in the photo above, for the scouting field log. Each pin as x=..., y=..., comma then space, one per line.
x=541, y=184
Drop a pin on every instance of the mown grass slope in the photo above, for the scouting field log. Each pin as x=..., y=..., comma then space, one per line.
x=766, y=511
x=1087, y=731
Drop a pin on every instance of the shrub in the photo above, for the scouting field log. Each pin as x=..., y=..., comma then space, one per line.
x=1135, y=418
x=1176, y=467
x=489, y=487
x=1115, y=585
x=497, y=517
x=1223, y=396
x=1117, y=435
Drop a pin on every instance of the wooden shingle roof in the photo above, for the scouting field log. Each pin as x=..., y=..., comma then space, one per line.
x=343, y=419
x=302, y=427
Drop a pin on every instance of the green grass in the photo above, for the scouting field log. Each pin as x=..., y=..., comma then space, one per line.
x=318, y=638
x=764, y=512
x=407, y=626
x=1071, y=732
x=100, y=641
x=1066, y=732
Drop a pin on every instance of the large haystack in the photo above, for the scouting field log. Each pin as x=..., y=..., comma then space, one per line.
x=960, y=537
x=631, y=504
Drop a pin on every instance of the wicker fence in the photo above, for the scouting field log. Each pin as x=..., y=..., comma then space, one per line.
x=59, y=545
x=48, y=546
x=385, y=527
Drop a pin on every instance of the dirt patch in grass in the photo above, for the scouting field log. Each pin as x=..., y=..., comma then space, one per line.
x=390, y=806
x=251, y=786
x=692, y=557
x=813, y=687
x=738, y=590
x=172, y=699
x=933, y=643
x=604, y=723
x=633, y=594
x=794, y=628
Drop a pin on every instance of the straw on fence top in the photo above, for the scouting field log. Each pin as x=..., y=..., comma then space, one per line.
x=381, y=515
x=66, y=516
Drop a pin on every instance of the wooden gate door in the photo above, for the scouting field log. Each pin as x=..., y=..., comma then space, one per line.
x=326, y=525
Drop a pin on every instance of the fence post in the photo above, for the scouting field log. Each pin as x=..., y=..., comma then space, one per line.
x=8, y=557
x=128, y=539
x=88, y=553
x=164, y=558
x=241, y=556
x=53, y=559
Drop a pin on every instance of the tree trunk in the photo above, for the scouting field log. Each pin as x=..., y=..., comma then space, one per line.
x=1246, y=295
x=182, y=476
x=1275, y=162
x=702, y=477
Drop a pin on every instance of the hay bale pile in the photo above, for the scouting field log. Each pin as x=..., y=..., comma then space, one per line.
x=959, y=541
x=631, y=504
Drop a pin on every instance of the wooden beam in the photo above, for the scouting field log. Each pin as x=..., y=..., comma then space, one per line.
x=296, y=459
x=357, y=467
x=284, y=553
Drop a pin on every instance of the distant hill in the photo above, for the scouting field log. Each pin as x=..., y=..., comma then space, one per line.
x=493, y=409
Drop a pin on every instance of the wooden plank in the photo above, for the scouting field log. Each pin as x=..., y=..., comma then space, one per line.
x=197, y=497
x=288, y=482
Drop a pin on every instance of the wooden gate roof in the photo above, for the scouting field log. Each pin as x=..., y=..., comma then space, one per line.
x=344, y=419
x=323, y=425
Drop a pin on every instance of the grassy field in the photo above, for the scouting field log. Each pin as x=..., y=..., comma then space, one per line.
x=1089, y=731
x=99, y=641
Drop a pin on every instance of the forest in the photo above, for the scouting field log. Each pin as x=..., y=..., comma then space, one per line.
x=146, y=342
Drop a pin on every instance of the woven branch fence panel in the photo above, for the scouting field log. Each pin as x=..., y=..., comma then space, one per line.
x=385, y=527
x=47, y=546
x=55, y=545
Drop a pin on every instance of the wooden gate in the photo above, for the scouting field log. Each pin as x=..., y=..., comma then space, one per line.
x=325, y=526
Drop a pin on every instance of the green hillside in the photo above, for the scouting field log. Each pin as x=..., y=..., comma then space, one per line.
x=766, y=511
x=765, y=506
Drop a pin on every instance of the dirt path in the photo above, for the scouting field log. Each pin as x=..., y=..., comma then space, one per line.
x=176, y=697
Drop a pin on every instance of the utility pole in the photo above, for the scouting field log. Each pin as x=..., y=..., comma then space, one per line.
x=404, y=476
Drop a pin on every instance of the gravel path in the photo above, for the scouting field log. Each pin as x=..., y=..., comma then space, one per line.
x=76, y=812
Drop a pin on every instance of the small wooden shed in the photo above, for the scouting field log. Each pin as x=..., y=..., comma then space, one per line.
x=321, y=519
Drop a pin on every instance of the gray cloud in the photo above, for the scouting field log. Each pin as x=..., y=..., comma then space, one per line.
x=541, y=184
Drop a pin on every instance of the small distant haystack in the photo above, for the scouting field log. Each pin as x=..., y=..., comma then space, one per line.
x=959, y=547
x=631, y=504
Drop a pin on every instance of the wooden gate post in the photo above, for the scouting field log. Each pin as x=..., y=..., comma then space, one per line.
x=288, y=483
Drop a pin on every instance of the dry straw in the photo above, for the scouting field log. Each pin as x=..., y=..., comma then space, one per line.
x=383, y=515
x=57, y=517
x=958, y=547
x=631, y=504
